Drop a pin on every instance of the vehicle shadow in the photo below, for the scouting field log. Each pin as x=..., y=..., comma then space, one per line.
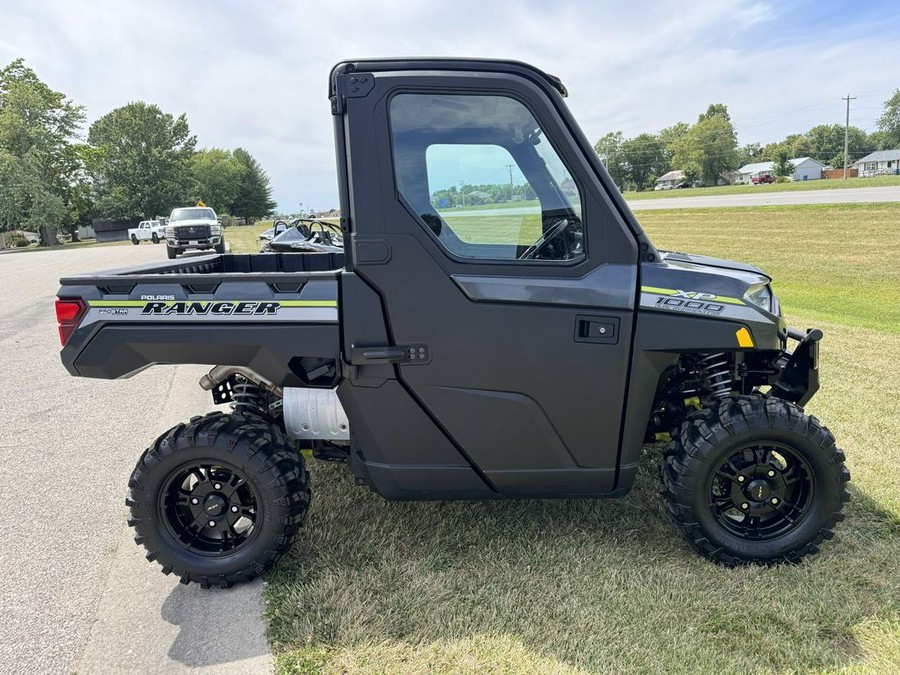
x=217, y=627
x=596, y=584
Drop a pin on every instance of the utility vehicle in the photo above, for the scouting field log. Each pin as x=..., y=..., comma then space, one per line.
x=497, y=326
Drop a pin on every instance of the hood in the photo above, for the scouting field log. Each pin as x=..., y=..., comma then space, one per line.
x=699, y=277
x=193, y=222
x=676, y=257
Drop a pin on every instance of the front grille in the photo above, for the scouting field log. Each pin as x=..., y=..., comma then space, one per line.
x=192, y=232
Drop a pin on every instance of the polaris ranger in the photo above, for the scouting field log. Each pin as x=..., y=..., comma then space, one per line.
x=465, y=345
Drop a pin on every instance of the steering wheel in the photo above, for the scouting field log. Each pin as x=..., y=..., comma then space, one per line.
x=544, y=240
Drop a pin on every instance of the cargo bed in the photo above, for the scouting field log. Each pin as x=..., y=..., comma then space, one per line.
x=208, y=310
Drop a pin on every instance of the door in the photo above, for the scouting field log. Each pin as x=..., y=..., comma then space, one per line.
x=508, y=280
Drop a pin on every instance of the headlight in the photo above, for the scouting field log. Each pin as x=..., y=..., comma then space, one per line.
x=215, y=230
x=170, y=233
x=760, y=295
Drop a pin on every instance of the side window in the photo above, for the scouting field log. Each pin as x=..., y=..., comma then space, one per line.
x=482, y=176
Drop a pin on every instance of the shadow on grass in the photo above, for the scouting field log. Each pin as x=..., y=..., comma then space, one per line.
x=597, y=585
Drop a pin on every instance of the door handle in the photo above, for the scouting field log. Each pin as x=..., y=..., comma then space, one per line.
x=598, y=329
x=411, y=354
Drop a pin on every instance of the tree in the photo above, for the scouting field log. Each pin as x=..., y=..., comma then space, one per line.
x=693, y=172
x=889, y=122
x=712, y=144
x=254, y=198
x=141, y=163
x=38, y=164
x=715, y=110
x=645, y=158
x=752, y=152
x=217, y=178
x=783, y=166
x=609, y=149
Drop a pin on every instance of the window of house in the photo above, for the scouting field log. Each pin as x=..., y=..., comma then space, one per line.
x=481, y=175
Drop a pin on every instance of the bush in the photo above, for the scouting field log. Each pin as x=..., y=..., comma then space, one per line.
x=781, y=179
x=20, y=242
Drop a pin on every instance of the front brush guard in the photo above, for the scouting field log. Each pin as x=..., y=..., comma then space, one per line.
x=799, y=379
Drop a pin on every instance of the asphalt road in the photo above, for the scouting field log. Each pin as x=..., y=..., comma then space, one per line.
x=847, y=196
x=77, y=594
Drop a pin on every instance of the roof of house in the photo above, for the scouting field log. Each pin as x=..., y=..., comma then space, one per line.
x=768, y=166
x=672, y=175
x=882, y=156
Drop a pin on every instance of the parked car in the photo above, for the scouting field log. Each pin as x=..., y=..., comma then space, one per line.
x=147, y=230
x=193, y=228
x=765, y=178
x=307, y=235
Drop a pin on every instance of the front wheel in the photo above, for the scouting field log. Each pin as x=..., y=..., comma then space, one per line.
x=754, y=479
x=219, y=500
x=220, y=247
x=135, y=240
x=155, y=238
x=171, y=252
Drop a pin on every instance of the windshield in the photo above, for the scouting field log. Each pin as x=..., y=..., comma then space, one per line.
x=192, y=214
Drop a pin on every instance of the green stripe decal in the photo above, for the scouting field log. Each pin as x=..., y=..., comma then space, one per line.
x=670, y=291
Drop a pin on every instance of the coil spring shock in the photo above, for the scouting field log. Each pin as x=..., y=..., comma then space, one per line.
x=247, y=394
x=717, y=373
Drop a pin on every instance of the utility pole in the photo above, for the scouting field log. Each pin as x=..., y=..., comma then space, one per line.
x=510, y=167
x=848, y=98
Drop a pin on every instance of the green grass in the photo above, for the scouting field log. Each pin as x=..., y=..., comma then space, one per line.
x=838, y=184
x=373, y=586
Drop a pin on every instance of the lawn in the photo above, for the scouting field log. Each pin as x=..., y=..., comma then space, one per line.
x=837, y=184
x=372, y=586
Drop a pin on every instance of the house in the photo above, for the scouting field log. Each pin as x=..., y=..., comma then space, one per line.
x=879, y=163
x=805, y=168
x=670, y=180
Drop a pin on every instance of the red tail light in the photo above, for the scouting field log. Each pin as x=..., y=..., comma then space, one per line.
x=68, y=315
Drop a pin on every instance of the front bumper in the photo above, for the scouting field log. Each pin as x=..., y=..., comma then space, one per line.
x=186, y=244
x=799, y=379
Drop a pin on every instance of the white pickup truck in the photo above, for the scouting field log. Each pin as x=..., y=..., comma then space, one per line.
x=147, y=230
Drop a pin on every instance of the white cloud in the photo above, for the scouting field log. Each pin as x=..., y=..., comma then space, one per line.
x=255, y=74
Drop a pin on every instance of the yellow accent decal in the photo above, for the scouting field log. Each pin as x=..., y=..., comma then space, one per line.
x=743, y=337
x=663, y=437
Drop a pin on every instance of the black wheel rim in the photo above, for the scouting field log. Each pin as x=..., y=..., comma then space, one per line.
x=761, y=491
x=210, y=508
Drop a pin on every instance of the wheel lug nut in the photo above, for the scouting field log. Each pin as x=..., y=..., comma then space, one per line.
x=194, y=500
x=234, y=509
x=774, y=500
x=212, y=523
x=217, y=486
x=741, y=479
x=771, y=473
x=745, y=506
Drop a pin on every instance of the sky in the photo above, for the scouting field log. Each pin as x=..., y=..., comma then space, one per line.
x=254, y=74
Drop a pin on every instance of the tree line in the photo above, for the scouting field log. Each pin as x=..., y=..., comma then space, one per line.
x=134, y=161
x=708, y=149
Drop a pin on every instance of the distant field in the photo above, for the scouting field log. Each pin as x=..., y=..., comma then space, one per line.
x=839, y=184
x=576, y=587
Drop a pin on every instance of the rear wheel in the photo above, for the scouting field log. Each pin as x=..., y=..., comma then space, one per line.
x=219, y=500
x=754, y=479
x=135, y=240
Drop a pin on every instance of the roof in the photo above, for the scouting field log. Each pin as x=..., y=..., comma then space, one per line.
x=768, y=166
x=882, y=156
x=672, y=175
